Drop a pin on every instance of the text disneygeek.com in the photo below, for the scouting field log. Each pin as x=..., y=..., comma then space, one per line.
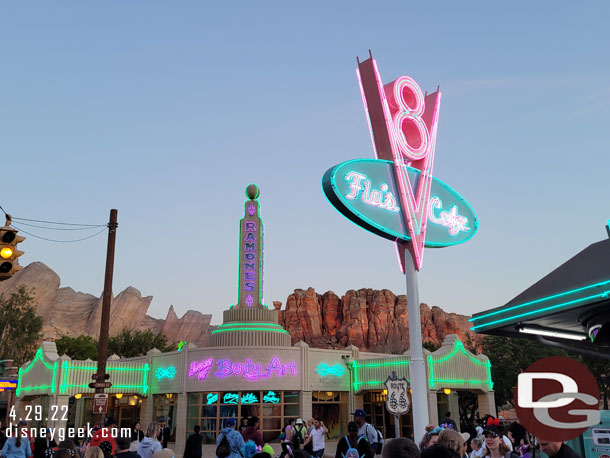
x=60, y=434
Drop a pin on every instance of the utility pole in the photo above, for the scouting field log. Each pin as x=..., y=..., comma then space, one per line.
x=98, y=418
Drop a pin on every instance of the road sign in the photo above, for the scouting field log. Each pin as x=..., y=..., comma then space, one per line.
x=104, y=377
x=100, y=403
x=397, y=399
x=100, y=385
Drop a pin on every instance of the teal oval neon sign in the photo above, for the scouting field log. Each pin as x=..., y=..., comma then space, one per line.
x=365, y=191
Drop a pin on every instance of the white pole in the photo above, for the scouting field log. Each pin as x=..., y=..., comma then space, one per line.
x=417, y=365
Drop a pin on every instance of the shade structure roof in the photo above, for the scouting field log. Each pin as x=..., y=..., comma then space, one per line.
x=558, y=303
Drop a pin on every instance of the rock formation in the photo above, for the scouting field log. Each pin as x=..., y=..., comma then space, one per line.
x=72, y=313
x=372, y=320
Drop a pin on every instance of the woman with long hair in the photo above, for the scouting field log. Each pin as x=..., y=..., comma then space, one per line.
x=494, y=444
x=18, y=446
x=453, y=440
x=150, y=444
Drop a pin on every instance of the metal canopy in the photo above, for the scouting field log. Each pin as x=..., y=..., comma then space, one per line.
x=557, y=303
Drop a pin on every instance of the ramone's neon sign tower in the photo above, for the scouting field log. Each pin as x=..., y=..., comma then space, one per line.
x=396, y=196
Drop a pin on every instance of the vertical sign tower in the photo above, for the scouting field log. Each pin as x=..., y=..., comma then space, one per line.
x=251, y=253
x=396, y=196
x=250, y=322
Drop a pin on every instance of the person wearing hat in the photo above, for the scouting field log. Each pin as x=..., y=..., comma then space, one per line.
x=105, y=434
x=366, y=429
x=236, y=442
x=298, y=438
x=164, y=432
x=495, y=446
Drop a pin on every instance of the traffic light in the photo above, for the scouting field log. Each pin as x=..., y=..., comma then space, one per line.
x=9, y=252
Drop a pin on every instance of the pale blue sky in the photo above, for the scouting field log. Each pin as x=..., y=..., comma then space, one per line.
x=167, y=110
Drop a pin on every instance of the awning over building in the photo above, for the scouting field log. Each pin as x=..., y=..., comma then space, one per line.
x=559, y=305
x=49, y=374
x=451, y=366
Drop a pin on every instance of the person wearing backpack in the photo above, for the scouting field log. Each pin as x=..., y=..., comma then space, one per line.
x=350, y=445
x=369, y=431
x=229, y=443
x=298, y=436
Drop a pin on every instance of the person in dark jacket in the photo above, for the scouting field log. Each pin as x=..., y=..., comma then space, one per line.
x=252, y=433
x=164, y=433
x=557, y=449
x=43, y=446
x=136, y=432
x=193, y=444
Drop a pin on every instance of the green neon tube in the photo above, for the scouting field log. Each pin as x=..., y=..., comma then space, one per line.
x=565, y=293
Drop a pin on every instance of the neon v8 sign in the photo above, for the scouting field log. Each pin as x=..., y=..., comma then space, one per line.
x=396, y=195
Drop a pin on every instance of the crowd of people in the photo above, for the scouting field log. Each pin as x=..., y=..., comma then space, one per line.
x=102, y=444
x=299, y=439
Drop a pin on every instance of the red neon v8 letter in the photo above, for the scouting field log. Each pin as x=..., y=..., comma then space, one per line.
x=403, y=127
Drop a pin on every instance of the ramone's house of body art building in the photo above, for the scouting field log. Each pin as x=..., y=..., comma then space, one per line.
x=249, y=369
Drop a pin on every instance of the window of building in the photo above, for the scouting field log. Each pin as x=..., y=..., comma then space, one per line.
x=377, y=415
x=331, y=407
x=210, y=409
x=166, y=406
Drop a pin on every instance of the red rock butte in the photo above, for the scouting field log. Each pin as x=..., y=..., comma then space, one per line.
x=372, y=320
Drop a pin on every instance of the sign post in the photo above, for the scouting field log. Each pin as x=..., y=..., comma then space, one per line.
x=397, y=399
x=100, y=403
x=397, y=197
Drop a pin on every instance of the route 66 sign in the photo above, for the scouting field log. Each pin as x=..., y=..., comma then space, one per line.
x=397, y=399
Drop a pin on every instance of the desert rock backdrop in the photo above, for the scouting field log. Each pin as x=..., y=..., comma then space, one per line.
x=372, y=320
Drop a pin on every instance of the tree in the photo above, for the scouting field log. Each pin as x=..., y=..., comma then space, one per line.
x=20, y=326
x=600, y=368
x=509, y=357
x=431, y=346
x=81, y=347
x=129, y=343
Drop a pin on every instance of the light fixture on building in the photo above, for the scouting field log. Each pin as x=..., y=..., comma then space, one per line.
x=132, y=401
x=135, y=396
x=78, y=396
x=385, y=392
x=330, y=394
x=119, y=395
x=552, y=333
x=447, y=391
x=139, y=401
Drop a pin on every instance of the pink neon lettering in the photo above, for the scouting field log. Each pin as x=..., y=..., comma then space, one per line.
x=249, y=287
x=370, y=196
x=250, y=237
x=201, y=368
x=250, y=226
x=251, y=209
x=249, y=256
x=249, y=247
x=449, y=219
x=252, y=371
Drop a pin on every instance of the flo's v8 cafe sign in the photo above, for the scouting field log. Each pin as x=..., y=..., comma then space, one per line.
x=365, y=191
x=396, y=195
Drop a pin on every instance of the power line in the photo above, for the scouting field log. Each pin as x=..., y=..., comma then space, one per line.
x=60, y=241
x=61, y=228
x=55, y=222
